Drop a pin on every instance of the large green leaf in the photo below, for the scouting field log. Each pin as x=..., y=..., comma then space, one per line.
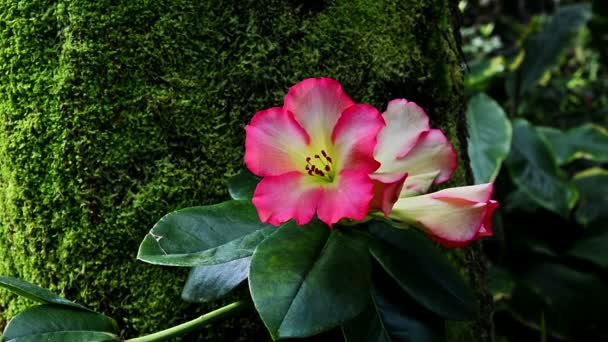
x=423, y=272
x=59, y=323
x=580, y=296
x=489, y=137
x=392, y=316
x=534, y=170
x=242, y=186
x=207, y=283
x=35, y=293
x=588, y=141
x=592, y=186
x=544, y=49
x=593, y=249
x=307, y=279
x=207, y=235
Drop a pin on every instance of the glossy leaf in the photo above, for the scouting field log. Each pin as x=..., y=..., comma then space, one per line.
x=592, y=185
x=593, y=249
x=588, y=141
x=544, y=49
x=500, y=282
x=35, y=292
x=308, y=279
x=207, y=235
x=59, y=323
x=489, y=132
x=534, y=170
x=207, y=283
x=577, y=295
x=242, y=186
x=423, y=272
x=392, y=316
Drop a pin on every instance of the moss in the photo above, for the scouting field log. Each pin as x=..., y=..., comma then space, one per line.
x=115, y=113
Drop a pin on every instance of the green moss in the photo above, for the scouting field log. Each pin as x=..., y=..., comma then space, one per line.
x=115, y=113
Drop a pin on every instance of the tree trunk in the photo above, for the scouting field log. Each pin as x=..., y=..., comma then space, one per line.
x=115, y=113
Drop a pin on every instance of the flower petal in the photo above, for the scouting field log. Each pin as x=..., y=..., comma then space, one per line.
x=281, y=198
x=451, y=219
x=274, y=143
x=432, y=153
x=317, y=103
x=354, y=138
x=405, y=121
x=471, y=193
x=418, y=184
x=348, y=198
x=386, y=191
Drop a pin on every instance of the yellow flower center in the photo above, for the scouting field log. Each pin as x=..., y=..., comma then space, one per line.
x=320, y=166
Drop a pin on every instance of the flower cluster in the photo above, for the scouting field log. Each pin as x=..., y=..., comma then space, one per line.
x=323, y=154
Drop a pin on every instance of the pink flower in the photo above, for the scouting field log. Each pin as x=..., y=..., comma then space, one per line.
x=315, y=155
x=453, y=217
x=412, y=155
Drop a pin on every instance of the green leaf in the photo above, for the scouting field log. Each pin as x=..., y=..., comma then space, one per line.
x=592, y=186
x=483, y=72
x=207, y=283
x=534, y=170
x=588, y=141
x=423, y=272
x=500, y=283
x=489, y=137
x=592, y=249
x=392, y=316
x=544, y=49
x=35, y=293
x=59, y=323
x=577, y=295
x=207, y=235
x=242, y=186
x=307, y=279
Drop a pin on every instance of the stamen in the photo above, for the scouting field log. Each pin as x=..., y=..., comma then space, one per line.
x=316, y=168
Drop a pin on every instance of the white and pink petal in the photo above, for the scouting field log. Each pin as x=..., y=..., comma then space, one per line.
x=354, y=138
x=274, y=143
x=289, y=196
x=316, y=104
x=451, y=220
x=348, y=197
x=405, y=121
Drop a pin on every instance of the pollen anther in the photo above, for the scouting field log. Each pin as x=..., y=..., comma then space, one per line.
x=315, y=168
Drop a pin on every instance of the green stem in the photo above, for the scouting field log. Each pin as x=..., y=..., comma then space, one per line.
x=194, y=324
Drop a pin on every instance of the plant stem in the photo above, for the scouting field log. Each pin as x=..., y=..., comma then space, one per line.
x=194, y=324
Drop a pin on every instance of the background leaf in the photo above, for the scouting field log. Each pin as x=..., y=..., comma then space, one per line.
x=544, y=49
x=207, y=283
x=534, y=170
x=307, y=279
x=205, y=235
x=490, y=133
x=588, y=141
x=423, y=272
x=60, y=323
x=392, y=316
x=35, y=292
x=242, y=186
x=593, y=249
x=592, y=185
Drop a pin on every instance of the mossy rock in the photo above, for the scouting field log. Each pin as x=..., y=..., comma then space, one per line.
x=115, y=113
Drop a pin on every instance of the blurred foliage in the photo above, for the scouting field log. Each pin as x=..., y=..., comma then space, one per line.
x=544, y=63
